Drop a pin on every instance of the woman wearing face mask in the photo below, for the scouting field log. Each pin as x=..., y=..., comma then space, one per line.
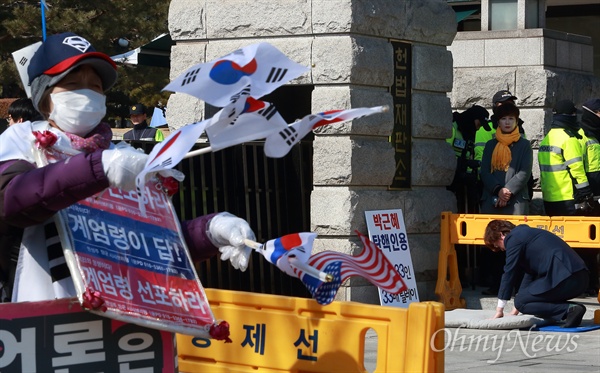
x=505, y=170
x=49, y=165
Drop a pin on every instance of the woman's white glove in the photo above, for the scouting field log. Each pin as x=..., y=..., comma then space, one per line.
x=227, y=232
x=122, y=164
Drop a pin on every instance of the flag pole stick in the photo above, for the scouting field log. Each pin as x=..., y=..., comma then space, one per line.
x=294, y=262
x=326, y=277
x=43, y=6
x=194, y=153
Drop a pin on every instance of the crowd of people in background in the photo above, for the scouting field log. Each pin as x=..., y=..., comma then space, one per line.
x=494, y=171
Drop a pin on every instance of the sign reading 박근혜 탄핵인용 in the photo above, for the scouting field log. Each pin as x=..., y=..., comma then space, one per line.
x=387, y=230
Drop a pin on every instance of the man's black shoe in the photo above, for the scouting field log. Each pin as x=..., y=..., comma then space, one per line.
x=574, y=315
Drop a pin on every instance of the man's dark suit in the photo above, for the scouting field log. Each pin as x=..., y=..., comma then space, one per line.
x=554, y=273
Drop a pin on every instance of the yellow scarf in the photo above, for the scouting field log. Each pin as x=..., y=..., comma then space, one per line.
x=501, y=156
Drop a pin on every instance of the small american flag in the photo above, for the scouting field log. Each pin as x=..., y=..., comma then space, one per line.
x=370, y=264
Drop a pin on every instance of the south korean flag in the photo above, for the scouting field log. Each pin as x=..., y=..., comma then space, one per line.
x=279, y=144
x=236, y=124
x=262, y=66
x=167, y=154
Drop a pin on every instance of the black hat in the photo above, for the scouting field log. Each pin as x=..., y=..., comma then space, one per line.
x=566, y=107
x=502, y=96
x=137, y=109
x=507, y=109
x=592, y=105
x=477, y=112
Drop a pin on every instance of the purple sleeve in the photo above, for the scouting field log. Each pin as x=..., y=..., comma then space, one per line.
x=194, y=232
x=29, y=195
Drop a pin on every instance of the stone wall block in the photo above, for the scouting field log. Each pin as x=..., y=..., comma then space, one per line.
x=478, y=85
x=531, y=87
x=331, y=213
x=587, y=58
x=186, y=55
x=431, y=115
x=549, y=53
x=562, y=53
x=357, y=60
x=341, y=210
x=183, y=109
x=423, y=207
x=348, y=97
x=533, y=125
x=332, y=164
x=353, y=161
x=378, y=18
x=331, y=16
x=501, y=52
x=570, y=85
x=346, y=245
x=187, y=20
x=438, y=74
x=433, y=163
x=262, y=18
x=575, y=61
x=468, y=53
x=432, y=22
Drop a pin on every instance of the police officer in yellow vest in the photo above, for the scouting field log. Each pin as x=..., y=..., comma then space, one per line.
x=464, y=185
x=565, y=187
x=590, y=132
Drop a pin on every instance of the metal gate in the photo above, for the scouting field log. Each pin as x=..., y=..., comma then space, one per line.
x=273, y=195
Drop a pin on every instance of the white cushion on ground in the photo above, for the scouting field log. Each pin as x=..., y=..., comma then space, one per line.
x=482, y=319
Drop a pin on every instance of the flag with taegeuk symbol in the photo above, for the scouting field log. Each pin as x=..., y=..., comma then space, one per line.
x=370, y=264
x=279, y=144
x=296, y=245
x=167, y=154
x=262, y=66
x=244, y=119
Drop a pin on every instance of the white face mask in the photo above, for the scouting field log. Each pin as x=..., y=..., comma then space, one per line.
x=79, y=111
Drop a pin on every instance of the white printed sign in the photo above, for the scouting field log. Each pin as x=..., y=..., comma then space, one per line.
x=387, y=230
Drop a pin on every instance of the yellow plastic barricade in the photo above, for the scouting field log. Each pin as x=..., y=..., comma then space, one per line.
x=273, y=333
x=468, y=229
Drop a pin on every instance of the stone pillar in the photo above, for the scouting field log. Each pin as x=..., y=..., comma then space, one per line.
x=347, y=45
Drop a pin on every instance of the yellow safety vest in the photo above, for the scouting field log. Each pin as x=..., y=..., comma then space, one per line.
x=591, y=153
x=481, y=138
x=561, y=166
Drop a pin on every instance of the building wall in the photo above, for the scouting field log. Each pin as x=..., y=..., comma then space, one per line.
x=347, y=45
x=580, y=25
